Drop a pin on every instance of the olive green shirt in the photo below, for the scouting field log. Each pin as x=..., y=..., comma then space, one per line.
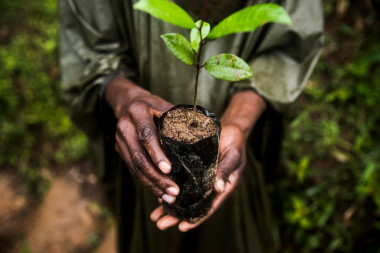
x=101, y=39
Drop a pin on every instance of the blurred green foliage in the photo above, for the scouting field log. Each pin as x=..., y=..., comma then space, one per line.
x=328, y=195
x=35, y=128
x=25, y=248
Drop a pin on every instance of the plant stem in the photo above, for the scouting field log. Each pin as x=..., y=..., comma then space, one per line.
x=198, y=65
x=204, y=9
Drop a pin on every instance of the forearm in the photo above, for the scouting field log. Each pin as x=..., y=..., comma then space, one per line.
x=136, y=138
x=244, y=109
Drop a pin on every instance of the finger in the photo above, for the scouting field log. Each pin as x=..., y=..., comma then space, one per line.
x=161, y=106
x=233, y=180
x=147, y=135
x=117, y=148
x=231, y=184
x=185, y=226
x=160, y=185
x=142, y=169
x=141, y=161
x=156, y=113
x=157, y=213
x=163, y=194
x=123, y=150
x=166, y=222
x=230, y=161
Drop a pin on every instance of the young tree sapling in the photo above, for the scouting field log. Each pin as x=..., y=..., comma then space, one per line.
x=224, y=66
x=194, y=163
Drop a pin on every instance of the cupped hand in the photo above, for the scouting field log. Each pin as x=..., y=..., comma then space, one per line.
x=232, y=159
x=136, y=136
x=238, y=120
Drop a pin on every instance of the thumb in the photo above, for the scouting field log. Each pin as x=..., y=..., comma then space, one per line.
x=229, y=162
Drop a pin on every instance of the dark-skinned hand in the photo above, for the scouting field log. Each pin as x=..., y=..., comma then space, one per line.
x=136, y=137
x=237, y=122
x=231, y=163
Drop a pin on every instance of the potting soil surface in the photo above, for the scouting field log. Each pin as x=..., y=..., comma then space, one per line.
x=177, y=125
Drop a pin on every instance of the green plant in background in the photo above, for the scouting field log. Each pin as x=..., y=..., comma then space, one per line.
x=35, y=129
x=227, y=67
x=327, y=198
x=25, y=248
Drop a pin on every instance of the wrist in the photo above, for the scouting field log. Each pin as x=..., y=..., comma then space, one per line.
x=120, y=93
x=244, y=109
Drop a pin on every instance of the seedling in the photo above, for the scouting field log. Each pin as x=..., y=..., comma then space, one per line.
x=224, y=66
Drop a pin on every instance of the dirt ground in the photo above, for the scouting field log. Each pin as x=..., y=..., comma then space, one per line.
x=70, y=218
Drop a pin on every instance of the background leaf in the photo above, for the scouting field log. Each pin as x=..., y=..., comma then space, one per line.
x=195, y=35
x=167, y=11
x=248, y=19
x=228, y=67
x=180, y=47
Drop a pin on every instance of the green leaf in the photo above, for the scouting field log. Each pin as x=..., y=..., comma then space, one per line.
x=167, y=11
x=249, y=18
x=195, y=39
x=228, y=67
x=180, y=47
x=205, y=28
x=195, y=35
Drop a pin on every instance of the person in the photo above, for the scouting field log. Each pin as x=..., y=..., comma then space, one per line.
x=118, y=76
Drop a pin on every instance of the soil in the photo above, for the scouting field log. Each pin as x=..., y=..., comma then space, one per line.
x=15, y=205
x=178, y=125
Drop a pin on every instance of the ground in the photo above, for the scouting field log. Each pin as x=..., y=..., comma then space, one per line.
x=71, y=217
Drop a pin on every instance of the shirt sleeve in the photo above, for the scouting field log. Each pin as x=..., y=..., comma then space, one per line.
x=94, y=48
x=283, y=57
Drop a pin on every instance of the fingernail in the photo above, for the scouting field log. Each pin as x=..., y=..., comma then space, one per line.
x=183, y=227
x=164, y=167
x=154, y=217
x=161, y=225
x=232, y=177
x=220, y=185
x=172, y=191
x=167, y=198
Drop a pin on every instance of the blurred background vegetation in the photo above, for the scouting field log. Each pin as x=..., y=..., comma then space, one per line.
x=327, y=196
x=35, y=129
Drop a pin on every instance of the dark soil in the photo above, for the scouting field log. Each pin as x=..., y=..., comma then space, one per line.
x=178, y=125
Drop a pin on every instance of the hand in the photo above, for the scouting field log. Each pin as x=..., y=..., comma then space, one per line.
x=237, y=122
x=232, y=159
x=136, y=136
